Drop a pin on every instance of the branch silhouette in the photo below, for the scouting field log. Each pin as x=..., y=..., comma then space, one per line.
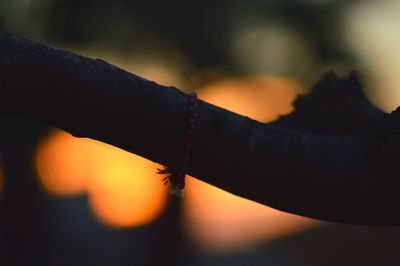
x=334, y=158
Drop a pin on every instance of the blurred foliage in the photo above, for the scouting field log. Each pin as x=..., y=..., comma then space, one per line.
x=202, y=31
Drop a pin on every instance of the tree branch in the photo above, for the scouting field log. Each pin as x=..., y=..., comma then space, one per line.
x=335, y=106
x=349, y=178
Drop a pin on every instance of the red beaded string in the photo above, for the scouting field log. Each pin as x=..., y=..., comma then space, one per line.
x=176, y=177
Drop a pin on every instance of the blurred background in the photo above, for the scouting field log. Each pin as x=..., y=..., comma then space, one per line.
x=70, y=201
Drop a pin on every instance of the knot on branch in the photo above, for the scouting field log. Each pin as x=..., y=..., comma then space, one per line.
x=386, y=128
x=381, y=142
x=335, y=106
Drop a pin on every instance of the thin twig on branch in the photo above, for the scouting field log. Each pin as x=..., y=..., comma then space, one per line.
x=311, y=164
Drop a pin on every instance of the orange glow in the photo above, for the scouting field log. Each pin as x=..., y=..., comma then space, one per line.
x=123, y=189
x=219, y=221
x=261, y=98
x=61, y=163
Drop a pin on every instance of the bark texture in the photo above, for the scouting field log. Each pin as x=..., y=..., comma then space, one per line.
x=313, y=162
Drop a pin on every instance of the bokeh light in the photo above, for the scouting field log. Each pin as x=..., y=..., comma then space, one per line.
x=123, y=189
x=62, y=164
x=262, y=98
x=371, y=31
x=222, y=222
x=269, y=47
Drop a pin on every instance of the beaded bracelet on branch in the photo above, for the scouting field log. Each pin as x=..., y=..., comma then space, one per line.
x=176, y=176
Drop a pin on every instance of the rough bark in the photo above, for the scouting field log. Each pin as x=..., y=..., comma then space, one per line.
x=349, y=178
